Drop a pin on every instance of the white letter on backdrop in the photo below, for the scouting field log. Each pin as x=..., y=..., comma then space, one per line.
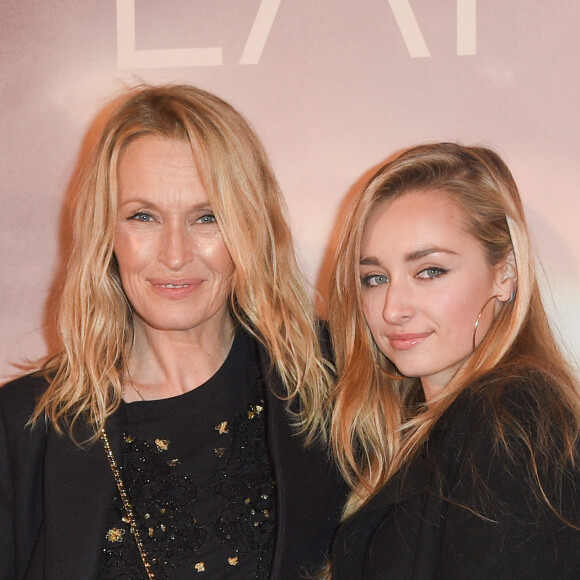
x=129, y=57
x=409, y=28
x=466, y=30
x=260, y=31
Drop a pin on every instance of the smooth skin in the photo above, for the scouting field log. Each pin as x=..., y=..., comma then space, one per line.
x=425, y=279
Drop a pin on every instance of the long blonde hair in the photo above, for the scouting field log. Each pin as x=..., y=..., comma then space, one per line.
x=268, y=297
x=378, y=422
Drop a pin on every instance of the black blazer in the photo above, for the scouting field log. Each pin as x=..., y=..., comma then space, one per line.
x=55, y=497
x=427, y=520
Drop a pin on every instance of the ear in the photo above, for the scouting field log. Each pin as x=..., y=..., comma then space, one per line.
x=506, y=277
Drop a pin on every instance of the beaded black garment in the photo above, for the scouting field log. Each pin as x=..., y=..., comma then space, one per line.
x=196, y=470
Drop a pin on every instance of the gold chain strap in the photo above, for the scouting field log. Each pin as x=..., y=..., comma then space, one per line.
x=126, y=504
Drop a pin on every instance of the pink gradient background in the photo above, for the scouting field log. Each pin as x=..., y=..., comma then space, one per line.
x=335, y=91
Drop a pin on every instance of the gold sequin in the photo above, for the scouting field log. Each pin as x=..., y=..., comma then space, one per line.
x=173, y=462
x=115, y=535
x=266, y=514
x=200, y=567
x=162, y=444
x=254, y=411
x=129, y=438
x=233, y=561
x=222, y=428
x=219, y=451
x=151, y=532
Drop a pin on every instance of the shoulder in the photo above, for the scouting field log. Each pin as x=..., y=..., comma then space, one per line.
x=18, y=399
x=515, y=423
x=23, y=391
x=520, y=404
x=502, y=398
x=520, y=434
x=515, y=492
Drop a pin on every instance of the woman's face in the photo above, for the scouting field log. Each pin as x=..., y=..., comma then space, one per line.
x=424, y=281
x=175, y=267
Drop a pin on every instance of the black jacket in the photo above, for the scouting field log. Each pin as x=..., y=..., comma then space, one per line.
x=463, y=509
x=55, y=497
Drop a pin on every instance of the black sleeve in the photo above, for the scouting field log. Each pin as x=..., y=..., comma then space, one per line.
x=6, y=505
x=497, y=525
x=21, y=475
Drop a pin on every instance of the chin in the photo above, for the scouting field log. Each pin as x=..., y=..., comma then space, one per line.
x=170, y=324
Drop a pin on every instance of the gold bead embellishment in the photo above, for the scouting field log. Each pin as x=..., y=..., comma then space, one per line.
x=233, y=561
x=200, y=567
x=219, y=451
x=254, y=411
x=115, y=535
x=162, y=444
x=222, y=428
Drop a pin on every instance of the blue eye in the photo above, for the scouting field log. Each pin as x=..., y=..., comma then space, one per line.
x=207, y=219
x=431, y=273
x=141, y=216
x=375, y=280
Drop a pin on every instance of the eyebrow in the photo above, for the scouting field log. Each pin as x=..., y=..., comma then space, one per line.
x=410, y=257
x=417, y=255
x=148, y=203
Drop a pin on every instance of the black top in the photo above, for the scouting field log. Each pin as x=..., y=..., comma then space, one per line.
x=463, y=507
x=197, y=473
x=55, y=497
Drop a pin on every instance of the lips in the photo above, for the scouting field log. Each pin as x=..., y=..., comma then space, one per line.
x=407, y=341
x=175, y=289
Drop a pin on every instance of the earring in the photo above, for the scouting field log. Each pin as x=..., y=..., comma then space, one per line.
x=476, y=325
x=513, y=295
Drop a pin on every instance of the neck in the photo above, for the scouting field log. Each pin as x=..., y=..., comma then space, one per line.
x=165, y=364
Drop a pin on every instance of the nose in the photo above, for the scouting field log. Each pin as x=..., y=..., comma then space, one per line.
x=398, y=307
x=176, y=246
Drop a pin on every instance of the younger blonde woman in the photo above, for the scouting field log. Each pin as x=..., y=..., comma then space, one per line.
x=456, y=417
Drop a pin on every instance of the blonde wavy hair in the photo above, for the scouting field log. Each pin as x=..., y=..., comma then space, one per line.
x=378, y=423
x=268, y=296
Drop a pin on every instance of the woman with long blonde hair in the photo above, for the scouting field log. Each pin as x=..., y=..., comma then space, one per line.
x=167, y=437
x=456, y=417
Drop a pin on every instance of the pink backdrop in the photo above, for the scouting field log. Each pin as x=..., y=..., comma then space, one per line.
x=332, y=86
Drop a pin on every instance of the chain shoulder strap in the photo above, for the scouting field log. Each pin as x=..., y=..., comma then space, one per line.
x=126, y=504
